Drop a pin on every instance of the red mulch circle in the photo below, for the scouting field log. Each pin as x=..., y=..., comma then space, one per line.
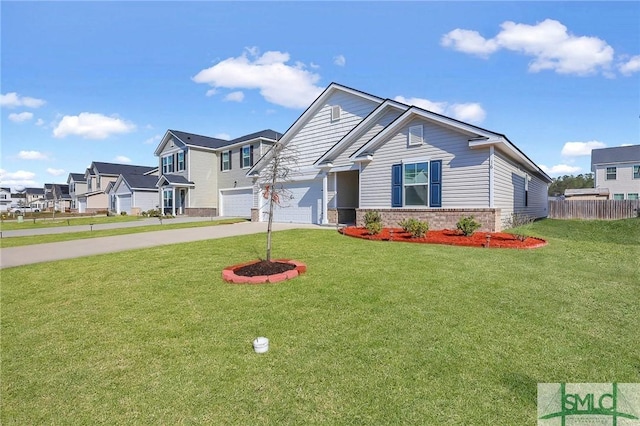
x=261, y=271
x=448, y=237
x=264, y=267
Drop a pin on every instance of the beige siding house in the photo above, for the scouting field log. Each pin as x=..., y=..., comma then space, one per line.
x=357, y=153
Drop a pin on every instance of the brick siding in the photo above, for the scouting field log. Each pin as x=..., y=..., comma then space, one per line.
x=437, y=218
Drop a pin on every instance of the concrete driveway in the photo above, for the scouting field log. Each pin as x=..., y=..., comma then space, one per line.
x=24, y=255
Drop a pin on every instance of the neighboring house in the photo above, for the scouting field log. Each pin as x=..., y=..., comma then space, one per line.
x=133, y=194
x=48, y=196
x=5, y=199
x=77, y=186
x=98, y=177
x=204, y=176
x=35, y=198
x=61, y=198
x=586, y=194
x=357, y=152
x=617, y=171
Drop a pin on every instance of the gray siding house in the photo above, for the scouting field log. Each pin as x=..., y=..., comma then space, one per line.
x=204, y=176
x=357, y=153
x=617, y=170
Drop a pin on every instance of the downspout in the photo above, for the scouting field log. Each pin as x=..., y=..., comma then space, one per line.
x=325, y=199
x=491, y=177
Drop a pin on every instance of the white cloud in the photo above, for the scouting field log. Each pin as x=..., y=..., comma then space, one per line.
x=31, y=155
x=631, y=66
x=56, y=172
x=39, y=122
x=20, y=117
x=235, y=97
x=549, y=43
x=340, y=60
x=211, y=92
x=223, y=136
x=154, y=139
x=91, y=126
x=12, y=100
x=291, y=86
x=16, y=179
x=580, y=149
x=468, y=112
x=560, y=169
x=122, y=159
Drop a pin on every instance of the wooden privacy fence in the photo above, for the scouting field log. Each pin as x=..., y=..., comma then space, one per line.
x=594, y=209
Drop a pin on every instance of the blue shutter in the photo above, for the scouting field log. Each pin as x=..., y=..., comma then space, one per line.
x=251, y=156
x=396, y=185
x=435, y=184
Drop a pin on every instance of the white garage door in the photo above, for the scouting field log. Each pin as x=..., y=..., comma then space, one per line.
x=124, y=203
x=304, y=207
x=82, y=206
x=236, y=202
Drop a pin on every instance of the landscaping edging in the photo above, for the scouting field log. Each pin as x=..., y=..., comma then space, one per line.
x=229, y=275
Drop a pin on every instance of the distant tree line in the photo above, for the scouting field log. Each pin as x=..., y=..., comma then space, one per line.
x=561, y=183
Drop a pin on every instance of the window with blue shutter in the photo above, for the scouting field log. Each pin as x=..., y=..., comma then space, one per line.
x=396, y=185
x=435, y=184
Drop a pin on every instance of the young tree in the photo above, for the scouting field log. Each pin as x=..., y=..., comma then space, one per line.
x=272, y=179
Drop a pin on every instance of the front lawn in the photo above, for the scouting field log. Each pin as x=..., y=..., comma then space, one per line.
x=373, y=333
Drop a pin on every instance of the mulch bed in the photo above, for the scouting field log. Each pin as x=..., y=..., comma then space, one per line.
x=264, y=267
x=448, y=237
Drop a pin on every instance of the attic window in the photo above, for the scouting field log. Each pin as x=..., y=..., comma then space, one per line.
x=335, y=112
x=415, y=135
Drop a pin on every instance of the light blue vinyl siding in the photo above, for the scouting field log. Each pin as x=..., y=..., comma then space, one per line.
x=320, y=133
x=465, y=172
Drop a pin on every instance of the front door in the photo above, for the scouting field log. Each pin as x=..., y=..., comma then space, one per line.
x=182, y=200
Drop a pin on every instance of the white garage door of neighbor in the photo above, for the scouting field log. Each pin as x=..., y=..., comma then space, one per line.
x=124, y=203
x=82, y=206
x=304, y=207
x=236, y=202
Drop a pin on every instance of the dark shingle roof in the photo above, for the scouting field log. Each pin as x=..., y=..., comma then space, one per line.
x=35, y=191
x=619, y=154
x=77, y=176
x=268, y=133
x=214, y=143
x=177, y=179
x=199, y=140
x=117, y=169
x=141, y=181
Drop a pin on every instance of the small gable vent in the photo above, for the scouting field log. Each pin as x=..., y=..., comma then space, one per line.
x=335, y=112
x=415, y=135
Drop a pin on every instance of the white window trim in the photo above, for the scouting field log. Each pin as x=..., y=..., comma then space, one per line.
x=404, y=183
x=184, y=165
x=228, y=161
x=633, y=175
x=415, y=136
x=248, y=156
x=606, y=173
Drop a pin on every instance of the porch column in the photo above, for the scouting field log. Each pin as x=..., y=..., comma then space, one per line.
x=173, y=201
x=325, y=199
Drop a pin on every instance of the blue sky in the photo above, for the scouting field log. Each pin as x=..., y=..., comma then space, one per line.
x=103, y=81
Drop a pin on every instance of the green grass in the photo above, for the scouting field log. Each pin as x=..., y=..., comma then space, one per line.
x=69, y=236
x=374, y=333
x=50, y=222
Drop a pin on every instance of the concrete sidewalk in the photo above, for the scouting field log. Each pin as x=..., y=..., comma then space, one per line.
x=24, y=255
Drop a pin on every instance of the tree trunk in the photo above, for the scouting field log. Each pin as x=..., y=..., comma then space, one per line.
x=271, y=202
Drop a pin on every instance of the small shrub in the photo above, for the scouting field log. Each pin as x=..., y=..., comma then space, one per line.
x=467, y=225
x=415, y=227
x=123, y=213
x=373, y=222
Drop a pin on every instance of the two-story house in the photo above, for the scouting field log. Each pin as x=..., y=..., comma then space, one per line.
x=98, y=177
x=205, y=176
x=77, y=185
x=5, y=199
x=61, y=198
x=35, y=198
x=617, y=170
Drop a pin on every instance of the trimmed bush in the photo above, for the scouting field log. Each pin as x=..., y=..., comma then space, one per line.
x=415, y=227
x=467, y=225
x=373, y=222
